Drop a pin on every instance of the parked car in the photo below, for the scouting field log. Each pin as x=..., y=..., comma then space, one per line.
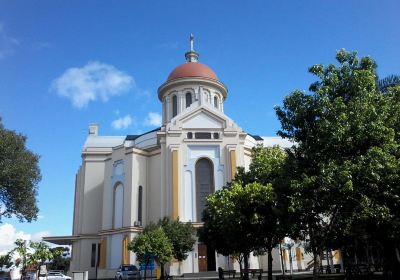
x=127, y=272
x=56, y=275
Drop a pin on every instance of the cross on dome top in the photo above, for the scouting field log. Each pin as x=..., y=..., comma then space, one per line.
x=191, y=55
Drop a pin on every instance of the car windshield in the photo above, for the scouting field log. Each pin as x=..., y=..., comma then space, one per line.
x=129, y=268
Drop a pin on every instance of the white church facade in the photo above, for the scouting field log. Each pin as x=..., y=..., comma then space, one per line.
x=125, y=182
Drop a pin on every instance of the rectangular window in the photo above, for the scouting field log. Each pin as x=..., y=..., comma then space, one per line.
x=93, y=256
x=98, y=254
x=202, y=135
x=140, y=205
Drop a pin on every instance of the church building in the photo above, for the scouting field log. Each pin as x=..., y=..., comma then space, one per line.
x=125, y=182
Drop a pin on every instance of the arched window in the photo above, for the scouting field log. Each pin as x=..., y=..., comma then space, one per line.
x=118, y=205
x=216, y=102
x=188, y=99
x=174, y=106
x=204, y=184
x=140, y=204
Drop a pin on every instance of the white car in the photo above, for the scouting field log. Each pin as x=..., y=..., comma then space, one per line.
x=52, y=275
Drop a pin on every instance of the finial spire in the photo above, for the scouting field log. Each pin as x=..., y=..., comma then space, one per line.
x=191, y=42
x=191, y=55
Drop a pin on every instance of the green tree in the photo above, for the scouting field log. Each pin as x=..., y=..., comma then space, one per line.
x=60, y=261
x=236, y=218
x=268, y=168
x=225, y=228
x=5, y=260
x=388, y=82
x=346, y=158
x=22, y=250
x=267, y=165
x=264, y=196
x=152, y=242
x=19, y=176
x=181, y=235
x=42, y=252
x=34, y=253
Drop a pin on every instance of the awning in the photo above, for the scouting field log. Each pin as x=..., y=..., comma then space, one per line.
x=60, y=240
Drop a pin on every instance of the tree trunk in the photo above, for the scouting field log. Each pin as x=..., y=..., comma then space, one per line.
x=391, y=269
x=145, y=268
x=240, y=259
x=330, y=258
x=396, y=267
x=162, y=271
x=246, y=266
x=290, y=260
x=269, y=251
x=317, y=264
x=283, y=264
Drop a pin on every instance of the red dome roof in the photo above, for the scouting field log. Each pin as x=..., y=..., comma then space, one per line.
x=192, y=69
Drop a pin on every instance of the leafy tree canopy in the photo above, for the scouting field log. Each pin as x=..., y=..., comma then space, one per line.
x=236, y=217
x=266, y=164
x=152, y=242
x=388, y=82
x=60, y=260
x=42, y=252
x=347, y=152
x=34, y=253
x=19, y=176
x=181, y=235
x=5, y=260
x=251, y=209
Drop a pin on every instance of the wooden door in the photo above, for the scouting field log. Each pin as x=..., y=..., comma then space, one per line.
x=202, y=257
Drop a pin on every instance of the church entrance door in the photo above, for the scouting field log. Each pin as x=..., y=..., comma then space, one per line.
x=202, y=252
x=206, y=258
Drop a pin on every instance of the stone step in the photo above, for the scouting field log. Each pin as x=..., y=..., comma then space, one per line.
x=197, y=275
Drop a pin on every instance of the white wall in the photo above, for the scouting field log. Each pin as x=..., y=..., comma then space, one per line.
x=115, y=251
x=92, y=194
x=118, y=205
x=153, y=192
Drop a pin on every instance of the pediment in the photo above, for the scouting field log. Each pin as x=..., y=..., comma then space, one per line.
x=203, y=119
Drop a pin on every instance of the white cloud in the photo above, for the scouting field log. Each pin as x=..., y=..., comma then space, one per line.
x=169, y=45
x=7, y=43
x=94, y=81
x=39, y=235
x=8, y=235
x=153, y=119
x=39, y=45
x=122, y=123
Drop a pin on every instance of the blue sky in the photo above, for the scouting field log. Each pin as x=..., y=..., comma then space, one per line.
x=260, y=49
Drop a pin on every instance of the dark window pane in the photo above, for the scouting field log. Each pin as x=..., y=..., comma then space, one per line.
x=204, y=184
x=216, y=135
x=188, y=99
x=93, y=256
x=190, y=135
x=202, y=135
x=140, y=205
x=174, y=106
x=215, y=102
x=98, y=254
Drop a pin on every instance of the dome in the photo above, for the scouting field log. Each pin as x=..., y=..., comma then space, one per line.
x=192, y=69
